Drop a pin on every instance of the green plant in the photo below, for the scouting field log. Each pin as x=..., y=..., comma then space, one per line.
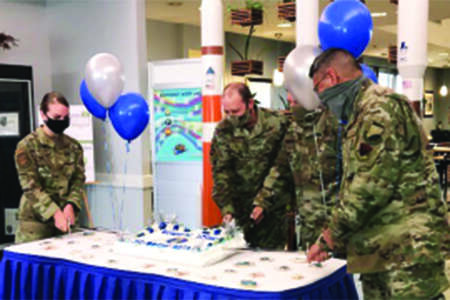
x=7, y=41
x=244, y=56
x=284, y=102
x=249, y=4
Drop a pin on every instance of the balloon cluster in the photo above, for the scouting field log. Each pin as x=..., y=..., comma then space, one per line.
x=101, y=91
x=345, y=24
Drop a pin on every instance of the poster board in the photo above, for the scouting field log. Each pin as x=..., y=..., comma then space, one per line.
x=9, y=124
x=178, y=124
x=428, y=104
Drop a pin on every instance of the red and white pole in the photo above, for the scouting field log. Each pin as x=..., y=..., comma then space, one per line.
x=212, y=65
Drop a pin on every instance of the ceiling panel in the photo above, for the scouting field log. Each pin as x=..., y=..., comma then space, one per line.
x=384, y=34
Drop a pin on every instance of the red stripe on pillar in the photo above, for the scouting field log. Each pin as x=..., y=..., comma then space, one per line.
x=210, y=212
x=211, y=108
x=212, y=50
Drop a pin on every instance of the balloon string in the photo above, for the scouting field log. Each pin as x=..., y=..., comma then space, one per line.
x=125, y=170
x=322, y=185
x=108, y=170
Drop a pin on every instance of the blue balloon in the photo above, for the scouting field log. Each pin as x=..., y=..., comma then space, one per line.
x=91, y=104
x=369, y=73
x=346, y=24
x=129, y=115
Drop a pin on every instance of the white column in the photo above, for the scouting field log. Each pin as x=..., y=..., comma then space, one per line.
x=307, y=21
x=412, y=46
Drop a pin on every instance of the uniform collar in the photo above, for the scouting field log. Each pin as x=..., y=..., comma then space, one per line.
x=49, y=141
x=354, y=111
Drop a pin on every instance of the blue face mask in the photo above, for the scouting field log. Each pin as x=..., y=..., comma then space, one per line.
x=339, y=98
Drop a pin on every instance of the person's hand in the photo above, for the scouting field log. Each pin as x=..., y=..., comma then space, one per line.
x=227, y=218
x=315, y=253
x=60, y=220
x=327, y=237
x=257, y=214
x=69, y=213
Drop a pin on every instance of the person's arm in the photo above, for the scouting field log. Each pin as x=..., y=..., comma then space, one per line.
x=77, y=181
x=372, y=167
x=279, y=178
x=223, y=173
x=40, y=201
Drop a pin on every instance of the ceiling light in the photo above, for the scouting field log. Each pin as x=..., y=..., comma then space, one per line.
x=443, y=54
x=284, y=25
x=378, y=14
x=443, y=91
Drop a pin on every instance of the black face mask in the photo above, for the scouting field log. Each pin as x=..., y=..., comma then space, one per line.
x=57, y=126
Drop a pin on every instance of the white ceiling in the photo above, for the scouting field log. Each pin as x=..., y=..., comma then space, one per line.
x=384, y=33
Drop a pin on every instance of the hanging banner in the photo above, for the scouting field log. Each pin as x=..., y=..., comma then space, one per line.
x=178, y=124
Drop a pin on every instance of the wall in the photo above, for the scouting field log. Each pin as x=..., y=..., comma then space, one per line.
x=433, y=79
x=442, y=104
x=179, y=38
x=117, y=27
x=163, y=40
x=32, y=33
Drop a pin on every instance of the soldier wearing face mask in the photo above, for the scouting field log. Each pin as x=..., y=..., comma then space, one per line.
x=243, y=150
x=51, y=172
x=390, y=217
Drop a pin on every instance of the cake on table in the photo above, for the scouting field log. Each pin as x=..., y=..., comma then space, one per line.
x=175, y=243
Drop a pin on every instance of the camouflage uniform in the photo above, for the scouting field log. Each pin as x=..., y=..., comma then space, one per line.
x=241, y=158
x=302, y=160
x=51, y=173
x=391, y=217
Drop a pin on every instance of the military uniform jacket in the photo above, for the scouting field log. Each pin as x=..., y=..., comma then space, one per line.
x=391, y=214
x=241, y=160
x=308, y=153
x=51, y=173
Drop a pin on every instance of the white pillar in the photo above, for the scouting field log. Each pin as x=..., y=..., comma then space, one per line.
x=307, y=22
x=412, y=41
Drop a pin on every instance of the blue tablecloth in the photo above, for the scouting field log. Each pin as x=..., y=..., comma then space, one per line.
x=25, y=276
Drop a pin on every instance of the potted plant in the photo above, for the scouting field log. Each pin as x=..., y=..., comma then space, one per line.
x=245, y=65
x=392, y=54
x=286, y=10
x=252, y=14
x=7, y=41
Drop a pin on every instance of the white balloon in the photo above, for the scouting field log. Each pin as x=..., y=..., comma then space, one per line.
x=104, y=78
x=296, y=79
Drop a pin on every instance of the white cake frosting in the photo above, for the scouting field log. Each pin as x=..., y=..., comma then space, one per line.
x=176, y=243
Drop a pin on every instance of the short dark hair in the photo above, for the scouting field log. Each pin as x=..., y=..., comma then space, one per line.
x=242, y=89
x=325, y=59
x=52, y=97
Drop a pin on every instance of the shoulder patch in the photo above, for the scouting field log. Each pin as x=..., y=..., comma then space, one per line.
x=22, y=158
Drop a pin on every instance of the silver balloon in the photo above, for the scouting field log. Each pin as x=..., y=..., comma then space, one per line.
x=296, y=79
x=104, y=78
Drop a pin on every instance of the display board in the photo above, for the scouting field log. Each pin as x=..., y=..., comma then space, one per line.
x=178, y=124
